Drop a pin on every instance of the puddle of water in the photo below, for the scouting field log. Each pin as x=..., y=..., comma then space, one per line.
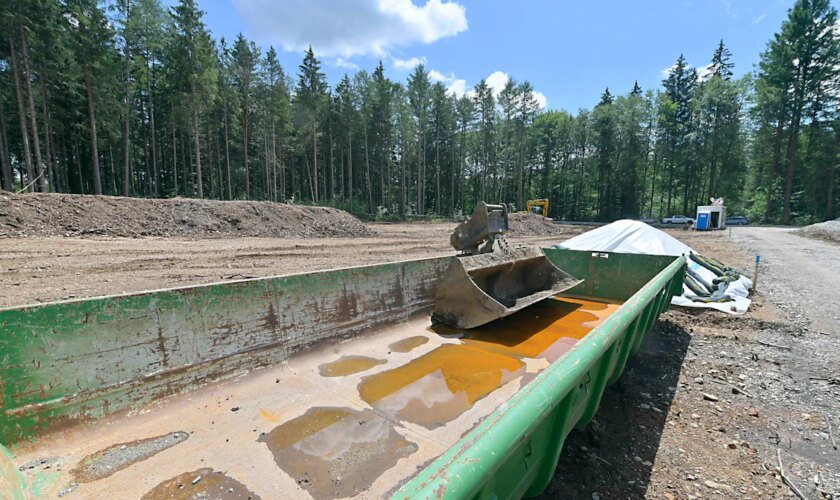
x=201, y=483
x=348, y=365
x=106, y=462
x=439, y=386
x=408, y=344
x=546, y=330
x=336, y=452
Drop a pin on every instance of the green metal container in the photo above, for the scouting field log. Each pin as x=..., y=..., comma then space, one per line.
x=76, y=361
x=513, y=452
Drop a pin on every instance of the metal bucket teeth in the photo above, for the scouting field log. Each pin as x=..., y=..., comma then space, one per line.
x=480, y=288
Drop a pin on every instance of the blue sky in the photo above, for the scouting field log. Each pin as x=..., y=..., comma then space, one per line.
x=569, y=50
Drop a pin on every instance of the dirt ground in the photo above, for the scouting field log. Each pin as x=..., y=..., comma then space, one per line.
x=69, y=215
x=44, y=269
x=701, y=411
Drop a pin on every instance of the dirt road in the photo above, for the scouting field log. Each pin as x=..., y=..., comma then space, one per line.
x=802, y=273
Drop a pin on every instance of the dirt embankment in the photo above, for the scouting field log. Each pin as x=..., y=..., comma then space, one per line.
x=80, y=215
x=532, y=225
x=826, y=231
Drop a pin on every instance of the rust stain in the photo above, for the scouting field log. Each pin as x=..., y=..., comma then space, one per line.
x=336, y=452
x=268, y=415
x=203, y=483
x=271, y=320
x=348, y=365
x=408, y=344
x=107, y=462
x=439, y=386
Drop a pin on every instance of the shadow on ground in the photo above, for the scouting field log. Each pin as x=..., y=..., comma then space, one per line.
x=614, y=454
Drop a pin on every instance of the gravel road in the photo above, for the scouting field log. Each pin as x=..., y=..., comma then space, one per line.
x=803, y=273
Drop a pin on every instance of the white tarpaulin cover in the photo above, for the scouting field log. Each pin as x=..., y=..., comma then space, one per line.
x=631, y=236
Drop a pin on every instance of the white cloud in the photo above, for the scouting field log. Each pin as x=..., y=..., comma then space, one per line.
x=729, y=9
x=457, y=87
x=407, y=64
x=496, y=81
x=360, y=27
x=542, y=100
x=666, y=72
x=705, y=72
x=759, y=18
x=437, y=76
x=454, y=86
x=344, y=63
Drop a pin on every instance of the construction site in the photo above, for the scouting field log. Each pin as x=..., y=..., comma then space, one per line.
x=202, y=349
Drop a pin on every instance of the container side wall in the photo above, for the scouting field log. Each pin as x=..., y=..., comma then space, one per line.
x=68, y=361
x=608, y=275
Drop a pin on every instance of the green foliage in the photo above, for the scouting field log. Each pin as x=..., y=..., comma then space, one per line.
x=133, y=97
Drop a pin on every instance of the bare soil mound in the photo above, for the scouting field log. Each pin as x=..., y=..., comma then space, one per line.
x=826, y=231
x=83, y=215
x=532, y=225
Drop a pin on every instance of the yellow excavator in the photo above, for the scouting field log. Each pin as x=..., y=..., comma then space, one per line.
x=538, y=207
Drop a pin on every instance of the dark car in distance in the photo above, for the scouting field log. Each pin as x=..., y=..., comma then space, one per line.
x=737, y=220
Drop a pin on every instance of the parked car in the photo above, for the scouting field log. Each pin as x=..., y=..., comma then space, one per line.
x=737, y=220
x=648, y=220
x=677, y=219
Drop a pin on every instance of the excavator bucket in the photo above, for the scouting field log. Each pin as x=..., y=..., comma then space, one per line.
x=477, y=289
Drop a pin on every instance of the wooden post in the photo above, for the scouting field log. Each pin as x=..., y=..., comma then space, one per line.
x=755, y=275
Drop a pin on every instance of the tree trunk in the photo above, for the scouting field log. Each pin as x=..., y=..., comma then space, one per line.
x=332, y=163
x=24, y=132
x=5, y=163
x=520, y=195
x=94, y=140
x=350, y=167
x=220, y=173
x=113, y=173
x=367, y=174
x=793, y=146
x=266, y=170
x=829, y=209
x=777, y=154
x=227, y=156
x=315, y=158
x=309, y=176
x=155, y=172
x=402, y=176
x=36, y=141
x=175, y=159
x=273, y=161
x=127, y=122
x=51, y=175
x=437, y=167
x=197, y=144
x=245, y=150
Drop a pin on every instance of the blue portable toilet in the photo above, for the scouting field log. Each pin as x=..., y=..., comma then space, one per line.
x=702, y=223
